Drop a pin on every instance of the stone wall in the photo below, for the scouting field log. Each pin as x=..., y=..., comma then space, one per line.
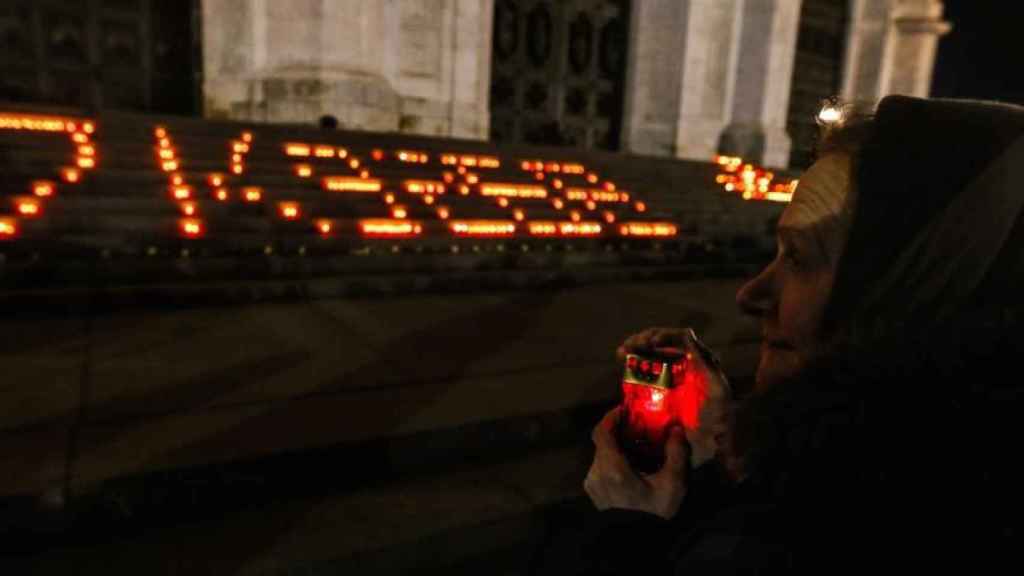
x=415, y=66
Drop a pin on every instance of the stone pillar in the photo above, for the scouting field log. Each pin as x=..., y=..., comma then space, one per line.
x=891, y=48
x=680, y=74
x=418, y=66
x=764, y=79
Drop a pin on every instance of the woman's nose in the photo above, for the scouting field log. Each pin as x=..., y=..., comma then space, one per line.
x=757, y=296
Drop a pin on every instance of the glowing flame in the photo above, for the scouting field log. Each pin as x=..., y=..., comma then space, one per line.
x=482, y=228
x=349, y=184
x=383, y=228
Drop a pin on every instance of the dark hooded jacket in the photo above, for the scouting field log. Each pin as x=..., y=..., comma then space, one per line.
x=901, y=449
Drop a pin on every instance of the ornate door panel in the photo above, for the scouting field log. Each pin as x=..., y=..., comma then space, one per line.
x=112, y=54
x=817, y=72
x=558, y=71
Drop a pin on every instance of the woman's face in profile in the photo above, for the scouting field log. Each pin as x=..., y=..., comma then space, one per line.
x=789, y=296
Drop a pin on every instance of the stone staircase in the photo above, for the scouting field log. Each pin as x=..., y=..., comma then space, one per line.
x=362, y=406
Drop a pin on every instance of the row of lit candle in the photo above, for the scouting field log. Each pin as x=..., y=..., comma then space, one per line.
x=751, y=182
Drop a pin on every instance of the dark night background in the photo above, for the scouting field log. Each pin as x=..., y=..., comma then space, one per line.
x=983, y=57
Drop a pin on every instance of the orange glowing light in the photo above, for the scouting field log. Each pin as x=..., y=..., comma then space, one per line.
x=519, y=215
x=161, y=132
x=449, y=159
x=239, y=147
x=384, y=228
x=350, y=184
x=354, y=163
x=640, y=207
x=558, y=204
x=191, y=227
x=303, y=170
x=552, y=167
x=526, y=166
x=71, y=175
x=166, y=154
x=472, y=179
x=389, y=198
x=461, y=170
x=399, y=212
x=86, y=150
x=237, y=169
x=165, y=143
x=557, y=184
x=188, y=208
x=575, y=216
x=44, y=188
x=423, y=187
x=729, y=187
x=324, y=226
x=591, y=205
x=464, y=190
x=252, y=194
x=89, y=127
x=544, y=228
x=449, y=177
x=443, y=212
x=378, y=155
x=647, y=229
x=364, y=174
x=573, y=169
x=294, y=149
x=181, y=192
x=79, y=138
x=8, y=228
x=222, y=195
x=86, y=163
x=468, y=160
x=28, y=207
x=514, y=190
x=247, y=137
x=342, y=153
x=482, y=228
x=170, y=165
x=489, y=162
x=576, y=194
x=236, y=158
x=289, y=210
x=503, y=202
x=538, y=176
x=609, y=217
x=324, y=152
x=609, y=186
x=177, y=180
x=428, y=199
x=36, y=124
x=216, y=180
x=592, y=178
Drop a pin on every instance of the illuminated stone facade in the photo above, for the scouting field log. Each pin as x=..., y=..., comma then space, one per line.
x=419, y=66
x=702, y=76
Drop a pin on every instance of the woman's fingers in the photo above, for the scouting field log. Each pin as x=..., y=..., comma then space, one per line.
x=650, y=339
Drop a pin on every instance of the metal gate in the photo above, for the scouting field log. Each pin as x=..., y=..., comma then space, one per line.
x=817, y=72
x=138, y=55
x=558, y=71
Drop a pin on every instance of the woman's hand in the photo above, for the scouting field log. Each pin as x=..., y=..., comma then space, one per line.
x=653, y=338
x=612, y=482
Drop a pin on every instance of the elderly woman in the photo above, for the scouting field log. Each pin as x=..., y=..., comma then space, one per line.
x=883, y=424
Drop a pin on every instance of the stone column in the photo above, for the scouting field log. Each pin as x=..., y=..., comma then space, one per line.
x=764, y=79
x=891, y=48
x=418, y=66
x=680, y=74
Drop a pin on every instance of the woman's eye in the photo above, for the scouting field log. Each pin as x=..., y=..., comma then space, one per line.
x=794, y=259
